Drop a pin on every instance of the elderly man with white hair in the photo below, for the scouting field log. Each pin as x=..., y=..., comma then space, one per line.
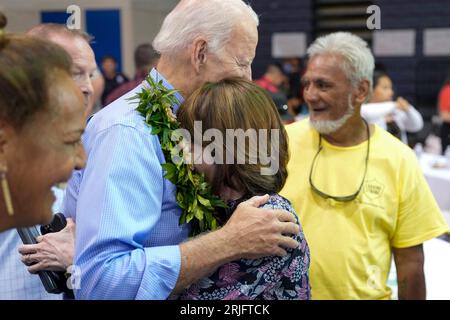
x=359, y=191
x=129, y=244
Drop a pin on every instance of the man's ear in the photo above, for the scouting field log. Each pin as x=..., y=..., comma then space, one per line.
x=199, y=54
x=362, y=92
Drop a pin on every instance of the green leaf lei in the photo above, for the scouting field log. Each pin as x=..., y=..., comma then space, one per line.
x=194, y=195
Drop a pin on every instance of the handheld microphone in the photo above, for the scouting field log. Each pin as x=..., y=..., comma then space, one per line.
x=53, y=281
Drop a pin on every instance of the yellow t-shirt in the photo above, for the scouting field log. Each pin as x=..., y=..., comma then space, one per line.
x=350, y=243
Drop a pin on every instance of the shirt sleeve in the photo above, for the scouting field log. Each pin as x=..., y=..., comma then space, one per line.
x=288, y=276
x=419, y=217
x=410, y=120
x=119, y=203
x=375, y=112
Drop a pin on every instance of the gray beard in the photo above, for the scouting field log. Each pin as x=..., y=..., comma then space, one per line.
x=331, y=126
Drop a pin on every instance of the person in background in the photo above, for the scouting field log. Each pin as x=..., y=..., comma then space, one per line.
x=272, y=81
x=397, y=117
x=77, y=45
x=113, y=79
x=292, y=68
x=54, y=251
x=145, y=58
x=243, y=105
x=360, y=192
x=444, y=113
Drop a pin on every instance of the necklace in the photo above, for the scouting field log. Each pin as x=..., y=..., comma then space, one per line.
x=198, y=204
x=340, y=198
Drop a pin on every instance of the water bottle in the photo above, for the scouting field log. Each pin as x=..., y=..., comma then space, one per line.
x=418, y=149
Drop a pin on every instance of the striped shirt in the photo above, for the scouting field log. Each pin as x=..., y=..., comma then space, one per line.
x=16, y=283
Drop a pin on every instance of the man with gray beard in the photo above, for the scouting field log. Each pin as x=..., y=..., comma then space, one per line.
x=359, y=191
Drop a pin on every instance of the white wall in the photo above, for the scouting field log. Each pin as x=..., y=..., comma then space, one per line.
x=148, y=16
x=141, y=19
x=20, y=20
x=146, y=25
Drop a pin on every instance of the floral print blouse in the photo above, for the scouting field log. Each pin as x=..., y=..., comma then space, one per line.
x=268, y=278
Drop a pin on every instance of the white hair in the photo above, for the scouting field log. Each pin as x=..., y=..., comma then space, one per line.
x=213, y=19
x=358, y=61
x=331, y=126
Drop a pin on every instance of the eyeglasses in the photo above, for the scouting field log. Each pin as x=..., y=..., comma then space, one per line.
x=339, y=198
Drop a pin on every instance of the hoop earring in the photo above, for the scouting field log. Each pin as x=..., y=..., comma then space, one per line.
x=6, y=194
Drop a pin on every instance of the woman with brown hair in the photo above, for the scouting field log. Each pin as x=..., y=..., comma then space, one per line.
x=238, y=169
x=41, y=122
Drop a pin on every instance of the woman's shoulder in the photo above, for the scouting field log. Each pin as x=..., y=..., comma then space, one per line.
x=277, y=201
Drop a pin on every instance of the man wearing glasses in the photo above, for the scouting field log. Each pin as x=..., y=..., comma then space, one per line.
x=359, y=191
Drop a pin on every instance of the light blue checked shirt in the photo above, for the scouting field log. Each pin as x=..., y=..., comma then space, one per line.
x=16, y=283
x=127, y=232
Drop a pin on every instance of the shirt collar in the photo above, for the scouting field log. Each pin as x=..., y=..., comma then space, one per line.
x=157, y=77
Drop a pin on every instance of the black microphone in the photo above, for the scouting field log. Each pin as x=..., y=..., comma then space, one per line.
x=53, y=281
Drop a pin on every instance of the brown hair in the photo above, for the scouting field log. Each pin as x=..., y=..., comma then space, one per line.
x=145, y=56
x=239, y=104
x=28, y=66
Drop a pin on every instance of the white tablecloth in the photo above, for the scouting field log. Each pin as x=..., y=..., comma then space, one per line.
x=436, y=251
x=438, y=179
x=436, y=269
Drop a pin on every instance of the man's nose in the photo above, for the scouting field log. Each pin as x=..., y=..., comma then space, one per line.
x=310, y=93
x=86, y=87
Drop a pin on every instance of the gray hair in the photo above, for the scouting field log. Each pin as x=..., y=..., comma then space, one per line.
x=358, y=61
x=213, y=19
x=49, y=30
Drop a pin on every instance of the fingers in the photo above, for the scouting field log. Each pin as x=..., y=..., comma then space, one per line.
x=285, y=216
x=257, y=201
x=289, y=228
x=37, y=262
x=402, y=104
x=283, y=243
x=28, y=249
x=288, y=243
x=29, y=259
x=280, y=252
x=35, y=268
x=70, y=223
